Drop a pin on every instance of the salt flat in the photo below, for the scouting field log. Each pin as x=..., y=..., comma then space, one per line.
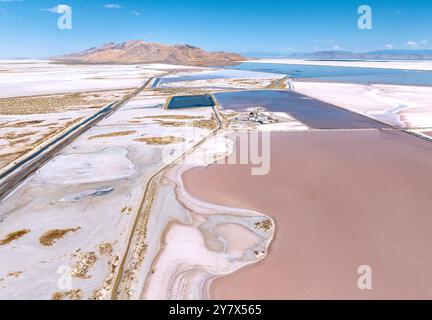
x=76, y=212
x=39, y=77
x=109, y=156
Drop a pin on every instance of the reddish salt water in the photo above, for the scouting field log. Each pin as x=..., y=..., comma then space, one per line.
x=340, y=200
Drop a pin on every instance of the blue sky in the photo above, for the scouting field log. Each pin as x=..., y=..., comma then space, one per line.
x=27, y=29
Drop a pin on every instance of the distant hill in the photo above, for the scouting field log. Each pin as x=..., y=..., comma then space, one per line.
x=403, y=54
x=145, y=52
x=380, y=55
x=341, y=55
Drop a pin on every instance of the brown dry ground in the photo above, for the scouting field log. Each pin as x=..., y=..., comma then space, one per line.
x=203, y=124
x=50, y=237
x=54, y=103
x=112, y=134
x=106, y=249
x=161, y=140
x=67, y=295
x=172, y=116
x=179, y=91
x=85, y=262
x=34, y=105
x=13, y=236
x=15, y=138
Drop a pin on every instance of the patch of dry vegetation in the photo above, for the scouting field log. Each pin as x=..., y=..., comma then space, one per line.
x=86, y=261
x=23, y=124
x=67, y=295
x=230, y=115
x=171, y=123
x=161, y=140
x=17, y=138
x=265, y=225
x=26, y=139
x=203, y=124
x=127, y=210
x=22, y=141
x=50, y=237
x=248, y=82
x=13, y=236
x=104, y=291
x=7, y=158
x=106, y=249
x=13, y=135
x=278, y=84
x=113, y=134
x=134, y=122
x=50, y=124
x=15, y=274
x=172, y=116
x=57, y=103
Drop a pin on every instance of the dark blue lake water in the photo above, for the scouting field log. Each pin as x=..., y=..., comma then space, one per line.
x=314, y=113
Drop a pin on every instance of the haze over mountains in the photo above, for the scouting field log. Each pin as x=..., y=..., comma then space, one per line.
x=145, y=52
x=339, y=54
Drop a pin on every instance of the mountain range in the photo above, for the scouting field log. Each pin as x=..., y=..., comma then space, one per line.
x=139, y=51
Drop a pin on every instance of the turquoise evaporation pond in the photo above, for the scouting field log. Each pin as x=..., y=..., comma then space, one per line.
x=342, y=74
x=178, y=102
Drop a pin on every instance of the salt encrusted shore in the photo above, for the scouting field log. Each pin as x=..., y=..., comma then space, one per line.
x=198, y=241
x=70, y=220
